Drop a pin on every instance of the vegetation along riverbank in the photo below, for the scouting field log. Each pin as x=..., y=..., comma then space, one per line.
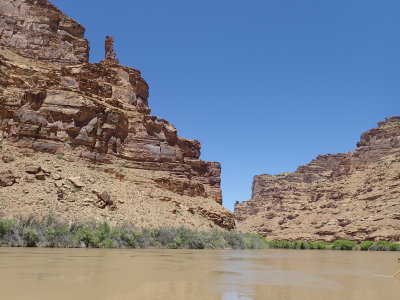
x=53, y=233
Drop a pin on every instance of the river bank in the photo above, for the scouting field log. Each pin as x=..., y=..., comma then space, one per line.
x=52, y=233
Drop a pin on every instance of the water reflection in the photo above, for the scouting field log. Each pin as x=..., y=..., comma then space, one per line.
x=175, y=274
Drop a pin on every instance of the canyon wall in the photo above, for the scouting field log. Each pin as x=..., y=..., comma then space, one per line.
x=86, y=129
x=354, y=195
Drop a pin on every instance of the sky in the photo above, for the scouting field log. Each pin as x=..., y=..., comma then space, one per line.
x=265, y=86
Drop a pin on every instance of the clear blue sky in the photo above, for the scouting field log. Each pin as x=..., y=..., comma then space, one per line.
x=264, y=85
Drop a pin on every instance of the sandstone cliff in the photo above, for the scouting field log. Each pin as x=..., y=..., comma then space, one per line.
x=78, y=139
x=353, y=196
x=37, y=29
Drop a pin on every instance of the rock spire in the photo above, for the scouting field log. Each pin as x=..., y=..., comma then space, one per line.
x=109, y=50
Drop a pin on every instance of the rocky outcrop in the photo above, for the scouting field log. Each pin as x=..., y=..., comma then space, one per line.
x=109, y=50
x=37, y=29
x=53, y=101
x=353, y=196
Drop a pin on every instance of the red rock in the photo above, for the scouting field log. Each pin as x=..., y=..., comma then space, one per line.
x=76, y=182
x=40, y=176
x=101, y=115
x=52, y=100
x=32, y=169
x=6, y=178
x=337, y=196
x=37, y=29
x=105, y=197
x=7, y=159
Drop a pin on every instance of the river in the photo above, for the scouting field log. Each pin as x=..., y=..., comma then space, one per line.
x=37, y=273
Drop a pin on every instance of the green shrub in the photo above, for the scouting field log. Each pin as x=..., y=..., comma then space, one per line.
x=302, y=245
x=83, y=236
x=57, y=235
x=233, y=240
x=31, y=236
x=5, y=227
x=254, y=241
x=171, y=238
x=128, y=239
x=365, y=245
x=385, y=246
x=50, y=232
x=395, y=247
x=107, y=243
x=278, y=244
x=319, y=245
x=343, y=245
x=338, y=245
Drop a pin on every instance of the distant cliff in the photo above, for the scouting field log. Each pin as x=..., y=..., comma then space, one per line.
x=352, y=196
x=78, y=139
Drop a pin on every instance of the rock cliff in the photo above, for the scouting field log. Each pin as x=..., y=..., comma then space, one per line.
x=353, y=196
x=37, y=29
x=86, y=130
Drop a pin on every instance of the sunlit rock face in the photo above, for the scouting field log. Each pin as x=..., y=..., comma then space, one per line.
x=354, y=195
x=53, y=101
x=38, y=30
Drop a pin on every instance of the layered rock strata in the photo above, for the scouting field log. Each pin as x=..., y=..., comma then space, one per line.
x=93, y=115
x=37, y=29
x=353, y=196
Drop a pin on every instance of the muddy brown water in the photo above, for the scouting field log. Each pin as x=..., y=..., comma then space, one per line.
x=197, y=274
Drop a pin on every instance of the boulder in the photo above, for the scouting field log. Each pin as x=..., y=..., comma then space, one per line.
x=76, y=182
x=105, y=197
x=40, y=176
x=7, y=159
x=6, y=178
x=56, y=176
x=32, y=169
